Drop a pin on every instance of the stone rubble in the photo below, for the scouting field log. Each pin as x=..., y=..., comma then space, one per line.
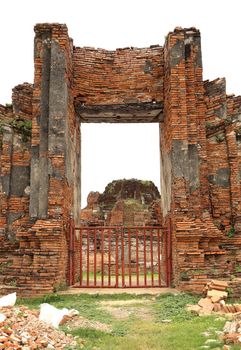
x=214, y=301
x=22, y=329
x=232, y=331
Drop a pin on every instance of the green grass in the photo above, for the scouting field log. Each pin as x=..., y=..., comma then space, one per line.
x=113, y=278
x=184, y=332
x=170, y=306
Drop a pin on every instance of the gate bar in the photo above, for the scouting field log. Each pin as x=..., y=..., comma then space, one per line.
x=129, y=255
x=70, y=277
x=109, y=258
x=159, y=257
x=137, y=259
x=123, y=255
x=169, y=251
x=102, y=258
x=88, y=259
x=80, y=259
x=95, y=250
x=116, y=261
x=144, y=246
x=152, y=267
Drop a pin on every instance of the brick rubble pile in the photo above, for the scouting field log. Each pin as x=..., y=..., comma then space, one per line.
x=232, y=331
x=215, y=301
x=23, y=330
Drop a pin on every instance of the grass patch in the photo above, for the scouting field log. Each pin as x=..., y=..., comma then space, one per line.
x=184, y=332
x=171, y=306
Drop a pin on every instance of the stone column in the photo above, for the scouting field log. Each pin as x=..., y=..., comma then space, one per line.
x=55, y=150
x=183, y=145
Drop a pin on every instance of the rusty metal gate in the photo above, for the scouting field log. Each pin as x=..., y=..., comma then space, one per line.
x=119, y=257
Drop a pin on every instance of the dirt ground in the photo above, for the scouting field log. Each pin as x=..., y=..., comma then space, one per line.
x=123, y=309
x=137, y=291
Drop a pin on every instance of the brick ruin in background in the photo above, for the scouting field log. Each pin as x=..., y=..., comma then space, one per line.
x=200, y=152
x=125, y=203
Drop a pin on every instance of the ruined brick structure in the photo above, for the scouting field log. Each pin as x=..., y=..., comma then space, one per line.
x=124, y=202
x=200, y=154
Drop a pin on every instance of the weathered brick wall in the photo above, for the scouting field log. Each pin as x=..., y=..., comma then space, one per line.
x=40, y=258
x=181, y=138
x=200, y=141
x=196, y=180
x=129, y=75
x=55, y=158
x=22, y=101
x=217, y=151
x=221, y=239
x=15, y=139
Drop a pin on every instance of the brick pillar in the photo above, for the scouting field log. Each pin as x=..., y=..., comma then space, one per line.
x=235, y=192
x=55, y=140
x=5, y=179
x=55, y=162
x=183, y=129
x=183, y=145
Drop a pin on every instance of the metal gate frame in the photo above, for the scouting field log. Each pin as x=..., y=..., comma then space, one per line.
x=105, y=232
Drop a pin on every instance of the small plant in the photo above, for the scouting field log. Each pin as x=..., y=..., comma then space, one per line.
x=220, y=138
x=208, y=125
x=218, y=224
x=5, y=264
x=231, y=232
x=184, y=276
x=237, y=268
x=199, y=272
x=13, y=283
x=214, y=271
x=230, y=292
x=60, y=286
x=24, y=127
x=49, y=298
x=8, y=105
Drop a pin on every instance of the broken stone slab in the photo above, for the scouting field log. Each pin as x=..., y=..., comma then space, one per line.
x=217, y=295
x=206, y=303
x=216, y=299
x=51, y=315
x=2, y=317
x=217, y=307
x=218, y=283
x=8, y=300
x=55, y=317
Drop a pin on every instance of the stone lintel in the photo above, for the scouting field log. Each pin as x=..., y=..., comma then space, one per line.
x=147, y=112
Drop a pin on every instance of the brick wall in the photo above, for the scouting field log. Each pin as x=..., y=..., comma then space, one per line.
x=15, y=142
x=200, y=139
x=129, y=75
x=51, y=161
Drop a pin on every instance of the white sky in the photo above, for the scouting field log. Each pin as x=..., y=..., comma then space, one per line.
x=118, y=151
